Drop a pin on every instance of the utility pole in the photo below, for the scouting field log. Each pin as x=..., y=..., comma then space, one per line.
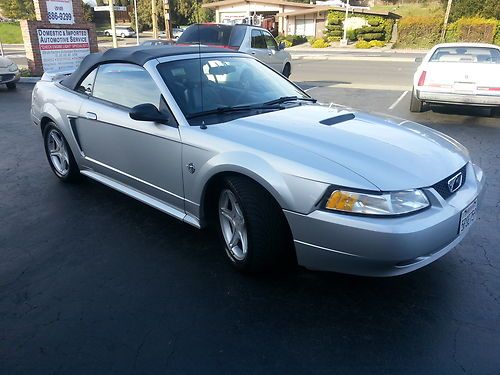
x=136, y=23
x=168, y=25
x=343, y=42
x=154, y=15
x=112, y=19
x=446, y=16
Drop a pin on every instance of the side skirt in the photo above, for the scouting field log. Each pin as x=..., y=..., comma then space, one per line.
x=144, y=198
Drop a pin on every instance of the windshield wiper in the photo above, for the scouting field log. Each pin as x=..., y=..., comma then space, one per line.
x=284, y=99
x=228, y=109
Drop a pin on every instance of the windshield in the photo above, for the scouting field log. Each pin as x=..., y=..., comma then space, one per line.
x=466, y=55
x=208, y=84
x=210, y=34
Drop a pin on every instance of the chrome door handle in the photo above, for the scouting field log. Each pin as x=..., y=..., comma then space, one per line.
x=90, y=116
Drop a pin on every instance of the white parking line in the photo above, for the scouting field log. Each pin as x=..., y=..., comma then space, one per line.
x=398, y=100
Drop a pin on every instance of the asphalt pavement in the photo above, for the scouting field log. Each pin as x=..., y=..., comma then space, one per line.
x=93, y=282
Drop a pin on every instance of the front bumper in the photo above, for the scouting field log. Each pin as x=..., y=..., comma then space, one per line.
x=442, y=97
x=371, y=246
x=9, y=77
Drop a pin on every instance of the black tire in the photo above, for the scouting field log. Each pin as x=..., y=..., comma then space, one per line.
x=11, y=85
x=287, y=70
x=270, y=245
x=73, y=173
x=123, y=36
x=416, y=105
x=107, y=34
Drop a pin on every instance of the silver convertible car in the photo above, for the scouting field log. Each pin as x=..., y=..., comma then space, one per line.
x=215, y=137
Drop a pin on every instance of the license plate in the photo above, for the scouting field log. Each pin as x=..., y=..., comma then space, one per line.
x=468, y=216
x=468, y=87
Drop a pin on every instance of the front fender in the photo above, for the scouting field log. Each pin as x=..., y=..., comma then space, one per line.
x=291, y=192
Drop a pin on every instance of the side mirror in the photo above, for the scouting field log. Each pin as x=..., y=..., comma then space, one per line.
x=147, y=112
x=281, y=46
x=418, y=59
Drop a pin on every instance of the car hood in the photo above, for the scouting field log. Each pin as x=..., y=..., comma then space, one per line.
x=391, y=154
x=5, y=62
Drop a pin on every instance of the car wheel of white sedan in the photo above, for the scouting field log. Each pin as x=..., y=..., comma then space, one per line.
x=59, y=154
x=252, y=227
x=416, y=105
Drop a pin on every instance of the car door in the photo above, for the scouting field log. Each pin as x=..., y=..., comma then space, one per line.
x=276, y=57
x=140, y=154
x=258, y=46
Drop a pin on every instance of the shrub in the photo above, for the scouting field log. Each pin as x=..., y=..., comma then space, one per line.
x=378, y=25
x=376, y=43
x=371, y=36
x=351, y=35
x=475, y=29
x=363, y=44
x=319, y=43
x=331, y=39
x=291, y=40
x=419, y=32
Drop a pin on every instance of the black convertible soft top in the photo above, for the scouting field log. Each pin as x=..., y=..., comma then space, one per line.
x=133, y=55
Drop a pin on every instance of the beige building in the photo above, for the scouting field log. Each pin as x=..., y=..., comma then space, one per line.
x=312, y=21
x=237, y=11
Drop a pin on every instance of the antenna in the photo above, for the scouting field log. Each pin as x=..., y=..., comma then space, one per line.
x=201, y=70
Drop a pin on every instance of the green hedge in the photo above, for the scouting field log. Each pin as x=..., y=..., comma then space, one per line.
x=474, y=29
x=291, y=40
x=380, y=28
x=419, y=32
x=425, y=32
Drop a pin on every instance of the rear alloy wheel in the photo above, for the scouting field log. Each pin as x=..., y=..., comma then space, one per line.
x=252, y=227
x=107, y=34
x=416, y=105
x=59, y=154
x=123, y=36
x=287, y=70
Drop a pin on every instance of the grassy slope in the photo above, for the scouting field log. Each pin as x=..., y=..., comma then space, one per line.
x=10, y=33
x=412, y=9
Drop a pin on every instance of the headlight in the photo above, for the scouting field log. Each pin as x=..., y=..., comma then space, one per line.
x=12, y=68
x=393, y=203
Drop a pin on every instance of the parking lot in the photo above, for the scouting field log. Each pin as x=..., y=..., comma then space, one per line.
x=94, y=282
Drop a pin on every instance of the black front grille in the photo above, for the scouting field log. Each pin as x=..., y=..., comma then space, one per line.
x=6, y=77
x=442, y=186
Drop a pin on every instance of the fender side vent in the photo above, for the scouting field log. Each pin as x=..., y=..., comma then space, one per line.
x=338, y=119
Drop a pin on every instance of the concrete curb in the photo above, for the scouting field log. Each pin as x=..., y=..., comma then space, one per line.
x=29, y=79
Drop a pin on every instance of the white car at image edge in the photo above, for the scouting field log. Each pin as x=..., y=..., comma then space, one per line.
x=459, y=74
x=9, y=72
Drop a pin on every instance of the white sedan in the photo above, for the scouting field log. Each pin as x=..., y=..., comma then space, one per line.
x=458, y=73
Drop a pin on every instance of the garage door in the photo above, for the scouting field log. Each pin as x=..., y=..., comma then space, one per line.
x=304, y=27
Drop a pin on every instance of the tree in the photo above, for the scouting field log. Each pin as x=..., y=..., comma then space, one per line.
x=88, y=12
x=470, y=8
x=18, y=9
x=144, y=14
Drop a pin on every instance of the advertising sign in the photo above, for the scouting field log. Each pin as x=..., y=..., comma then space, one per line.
x=62, y=49
x=60, y=12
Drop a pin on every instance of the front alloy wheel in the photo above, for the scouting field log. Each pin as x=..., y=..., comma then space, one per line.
x=252, y=227
x=233, y=225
